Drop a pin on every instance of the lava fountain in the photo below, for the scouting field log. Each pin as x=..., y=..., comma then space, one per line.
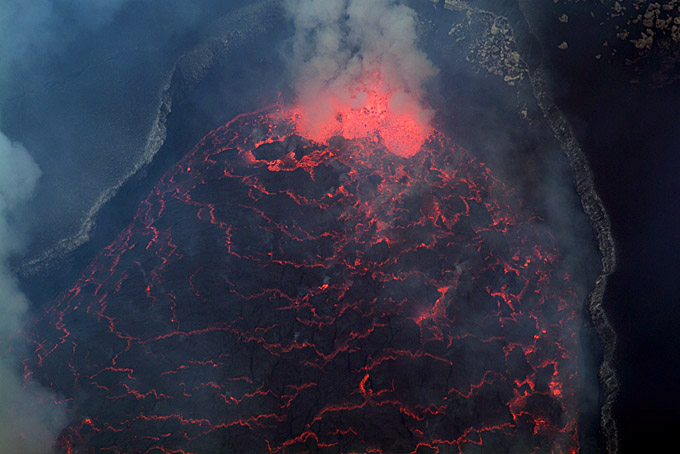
x=370, y=110
x=359, y=284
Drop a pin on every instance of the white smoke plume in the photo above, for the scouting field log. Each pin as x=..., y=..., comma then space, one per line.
x=29, y=420
x=340, y=43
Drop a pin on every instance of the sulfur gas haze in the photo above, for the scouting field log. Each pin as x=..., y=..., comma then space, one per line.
x=29, y=420
x=80, y=96
x=83, y=87
x=359, y=73
x=29, y=31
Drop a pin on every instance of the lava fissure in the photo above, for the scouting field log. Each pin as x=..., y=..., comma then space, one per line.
x=277, y=294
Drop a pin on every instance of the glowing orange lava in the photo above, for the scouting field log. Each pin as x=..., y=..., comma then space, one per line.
x=371, y=110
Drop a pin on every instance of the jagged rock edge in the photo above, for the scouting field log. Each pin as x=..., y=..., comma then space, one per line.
x=596, y=212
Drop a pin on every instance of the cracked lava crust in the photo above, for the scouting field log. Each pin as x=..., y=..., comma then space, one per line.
x=280, y=295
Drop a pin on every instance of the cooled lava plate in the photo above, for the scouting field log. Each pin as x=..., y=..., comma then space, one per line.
x=277, y=295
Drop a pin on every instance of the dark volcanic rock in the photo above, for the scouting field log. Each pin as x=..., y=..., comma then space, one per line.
x=277, y=295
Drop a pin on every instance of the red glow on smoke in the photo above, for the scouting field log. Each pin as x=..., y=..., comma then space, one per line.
x=373, y=110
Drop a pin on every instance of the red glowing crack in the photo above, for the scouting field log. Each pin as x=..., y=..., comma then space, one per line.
x=281, y=295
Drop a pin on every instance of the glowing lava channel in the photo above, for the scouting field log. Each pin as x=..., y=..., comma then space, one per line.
x=279, y=296
x=371, y=110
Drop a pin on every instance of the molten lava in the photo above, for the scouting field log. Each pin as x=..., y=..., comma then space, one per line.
x=281, y=295
x=372, y=110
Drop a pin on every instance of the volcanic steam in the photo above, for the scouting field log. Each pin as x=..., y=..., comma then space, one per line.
x=279, y=295
x=359, y=73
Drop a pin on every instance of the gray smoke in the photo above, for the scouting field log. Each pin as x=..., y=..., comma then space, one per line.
x=338, y=42
x=30, y=417
x=29, y=420
x=28, y=29
x=81, y=86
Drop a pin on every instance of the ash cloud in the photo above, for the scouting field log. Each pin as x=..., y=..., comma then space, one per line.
x=30, y=416
x=339, y=42
x=29, y=420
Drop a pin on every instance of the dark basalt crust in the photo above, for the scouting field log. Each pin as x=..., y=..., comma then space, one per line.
x=191, y=68
x=277, y=295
